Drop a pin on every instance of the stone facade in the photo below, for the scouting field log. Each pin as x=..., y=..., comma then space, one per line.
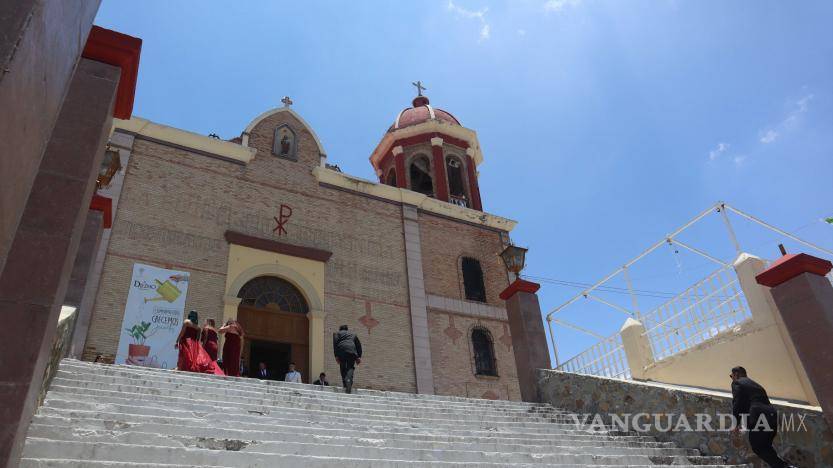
x=177, y=202
x=810, y=448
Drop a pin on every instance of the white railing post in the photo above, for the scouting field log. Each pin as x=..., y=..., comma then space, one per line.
x=637, y=348
x=760, y=303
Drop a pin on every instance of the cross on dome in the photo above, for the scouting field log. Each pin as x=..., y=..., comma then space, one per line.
x=419, y=87
x=286, y=101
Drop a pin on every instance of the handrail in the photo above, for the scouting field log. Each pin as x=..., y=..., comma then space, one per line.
x=695, y=304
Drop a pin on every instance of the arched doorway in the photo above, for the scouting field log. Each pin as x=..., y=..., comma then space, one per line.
x=273, y=313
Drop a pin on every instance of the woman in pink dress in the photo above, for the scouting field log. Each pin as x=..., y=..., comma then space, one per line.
x=209, y=339
x=192, y=356
x=231, y=347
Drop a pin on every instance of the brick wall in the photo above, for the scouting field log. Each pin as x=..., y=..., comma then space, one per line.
x=176, y=206
x=444, y=244
x=452, y=357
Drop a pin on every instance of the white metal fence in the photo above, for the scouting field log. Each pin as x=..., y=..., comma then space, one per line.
x=709, y=307
x=605, y=358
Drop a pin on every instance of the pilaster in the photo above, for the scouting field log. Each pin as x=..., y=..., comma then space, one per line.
x=418, y=301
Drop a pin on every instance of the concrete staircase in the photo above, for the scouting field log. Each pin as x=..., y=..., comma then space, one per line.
x=99, y=415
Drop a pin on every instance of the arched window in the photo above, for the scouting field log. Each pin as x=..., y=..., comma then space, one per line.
x=473, y=280
x=484, y=351
x=456, y=185
x=391, y=179
x=420, y=173
x=272, y=292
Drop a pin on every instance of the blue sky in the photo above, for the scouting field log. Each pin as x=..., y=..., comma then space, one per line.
x=604, y=124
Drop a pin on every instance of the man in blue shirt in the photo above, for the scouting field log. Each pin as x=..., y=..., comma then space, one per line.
x=293, y=375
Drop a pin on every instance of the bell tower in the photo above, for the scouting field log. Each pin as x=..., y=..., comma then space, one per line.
x=428, y=151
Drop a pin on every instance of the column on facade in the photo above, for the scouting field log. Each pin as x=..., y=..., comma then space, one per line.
x=123, y=143
x=440, y=178
x=35, y=278
x=399, y=161
x=804, y=299
x=529, y=340
x=316, y=342
x=473, y=185
x=418, y=302
x=765, y=313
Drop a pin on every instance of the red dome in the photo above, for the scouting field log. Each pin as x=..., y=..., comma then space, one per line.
x=421, y=112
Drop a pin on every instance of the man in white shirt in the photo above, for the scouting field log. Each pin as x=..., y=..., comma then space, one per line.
x=293, y=375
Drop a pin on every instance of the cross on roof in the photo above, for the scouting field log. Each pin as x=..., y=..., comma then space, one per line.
x=419, y=87
x=286, y=101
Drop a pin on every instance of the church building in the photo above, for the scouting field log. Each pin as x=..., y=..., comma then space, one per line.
x=264, y=230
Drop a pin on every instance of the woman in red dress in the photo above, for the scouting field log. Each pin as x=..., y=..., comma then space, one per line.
x=232, y=346
x=192, y=356
x=209, y=339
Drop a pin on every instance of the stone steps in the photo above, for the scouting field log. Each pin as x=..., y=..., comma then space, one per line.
x=47, y=427
x=100, y=415
x=169, y=375
x=290, y=405
x=249, y=456
x=149, y=404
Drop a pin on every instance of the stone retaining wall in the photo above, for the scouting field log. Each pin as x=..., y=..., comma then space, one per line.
x=60, y=348
x=582, y=394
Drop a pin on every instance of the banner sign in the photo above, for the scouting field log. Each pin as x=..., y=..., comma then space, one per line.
x=153, y=317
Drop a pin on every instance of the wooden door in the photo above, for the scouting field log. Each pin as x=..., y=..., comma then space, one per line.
x=269, y=324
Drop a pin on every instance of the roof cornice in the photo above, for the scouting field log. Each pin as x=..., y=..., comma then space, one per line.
x=427, y=127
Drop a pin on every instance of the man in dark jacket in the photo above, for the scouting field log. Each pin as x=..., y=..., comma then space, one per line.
x=348, y=351
x=749, y=398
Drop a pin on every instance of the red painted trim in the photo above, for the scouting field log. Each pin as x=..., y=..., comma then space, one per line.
x=120, y=50
x=454, y=141
x=400, y=171
x=269, y=245
x=384, y=163
x=440, y=178
x=790, y=266
x=519, y=285
x=474, y=188
x=426, y=137
x=105, y=205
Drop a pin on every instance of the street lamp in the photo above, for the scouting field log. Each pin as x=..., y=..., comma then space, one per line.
x=514, y=258
x=110, y=165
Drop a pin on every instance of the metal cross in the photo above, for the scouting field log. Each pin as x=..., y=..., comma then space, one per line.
x=419, y=87
x=286, y=101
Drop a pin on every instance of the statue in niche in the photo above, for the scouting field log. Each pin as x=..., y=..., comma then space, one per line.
x=284, y=145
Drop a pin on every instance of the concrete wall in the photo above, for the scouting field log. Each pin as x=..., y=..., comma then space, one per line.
x=579, y=393
x=759, y=344
x=707, y=365
x=40, y=42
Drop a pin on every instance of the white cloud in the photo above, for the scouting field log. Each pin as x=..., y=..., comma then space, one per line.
x=718, y=150
x=769, y=136
x=558, y=5
x=739, y=160
x=480, y=15
x=522, y=32
x=799, y=107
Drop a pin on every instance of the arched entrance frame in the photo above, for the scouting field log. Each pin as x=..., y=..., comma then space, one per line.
x=246, y=263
